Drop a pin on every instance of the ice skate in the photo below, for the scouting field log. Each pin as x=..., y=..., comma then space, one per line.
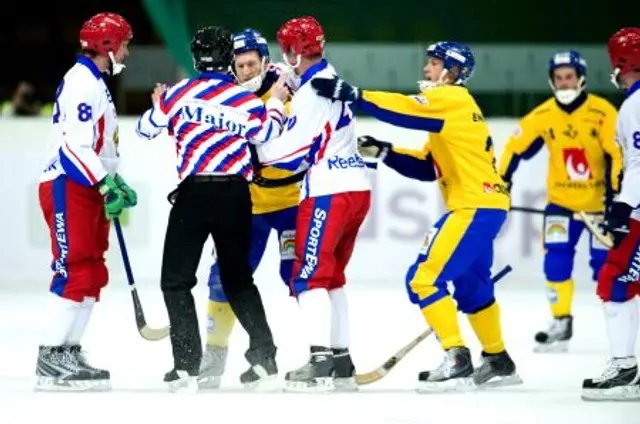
x=344, y=377
x=262, y=375
x=180, y=381
x=214, y=361
x=496, y=370
x=455, y=373
x=101, y=378
x=316, y=375
x=556, y=337
x=58, y=369
x=619, y=381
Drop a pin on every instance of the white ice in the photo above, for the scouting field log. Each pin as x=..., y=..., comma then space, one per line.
x=382, y=320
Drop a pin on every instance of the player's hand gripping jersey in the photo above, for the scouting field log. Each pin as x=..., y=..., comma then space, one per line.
x=270, y=199
x=584, y=161
x=318, y=137
x=208, y=117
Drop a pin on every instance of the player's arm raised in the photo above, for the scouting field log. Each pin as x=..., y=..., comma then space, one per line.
x=525, y=141
x=77, y=152
x=414, y=164
x=154, y=120
x=266, y=121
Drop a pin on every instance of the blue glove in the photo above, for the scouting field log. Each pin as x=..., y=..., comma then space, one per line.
x=616, y=222
x=336, y=89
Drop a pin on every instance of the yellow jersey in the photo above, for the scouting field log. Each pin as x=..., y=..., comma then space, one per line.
x=459, y=142
x=267, y=199
x=585, y=162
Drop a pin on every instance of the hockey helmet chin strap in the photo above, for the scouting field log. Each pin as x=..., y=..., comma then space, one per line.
x=116, y=67
x=254, y=83
x=425, y=85
x=293, y=81
x=568, y=95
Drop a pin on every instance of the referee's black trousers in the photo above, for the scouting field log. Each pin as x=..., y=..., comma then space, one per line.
x=217, y=206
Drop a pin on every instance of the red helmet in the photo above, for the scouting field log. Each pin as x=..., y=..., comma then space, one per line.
x=303, y=36
x=104, y=33
x=624, y=50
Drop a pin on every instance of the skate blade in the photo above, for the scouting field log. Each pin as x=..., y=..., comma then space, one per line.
x=209, y=382
x=619, y=394
x=347, y=384
x=560, y=346
x=264, y=385
x=465, y=384
x=183, y=385
x=316, y=385
x=53, y=384
x=502, y=381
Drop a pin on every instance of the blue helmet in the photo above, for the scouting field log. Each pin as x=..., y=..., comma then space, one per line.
x=454, y=54
x=568, y=58
x=248, y=40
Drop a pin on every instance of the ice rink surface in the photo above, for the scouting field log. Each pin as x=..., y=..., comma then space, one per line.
x=382, y=320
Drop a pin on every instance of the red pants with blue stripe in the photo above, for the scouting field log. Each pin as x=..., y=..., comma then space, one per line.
x=619, y=277
x=326, y=231
x=79, y=234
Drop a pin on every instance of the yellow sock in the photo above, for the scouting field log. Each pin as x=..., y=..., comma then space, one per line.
x=486, y=325
x=221, y=321
x=442, y=316
x=560, y=296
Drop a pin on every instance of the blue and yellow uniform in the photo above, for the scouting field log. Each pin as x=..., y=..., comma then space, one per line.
x=274, y=208
x=585, y=165
x=459, y=248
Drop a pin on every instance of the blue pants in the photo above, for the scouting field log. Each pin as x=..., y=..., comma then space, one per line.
x=458, y=249
x=561, y=234
x=284, y=222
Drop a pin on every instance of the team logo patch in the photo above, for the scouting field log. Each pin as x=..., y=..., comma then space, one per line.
x=576, y=164
x=288, y=245
x=428, y=240
x=556, y=229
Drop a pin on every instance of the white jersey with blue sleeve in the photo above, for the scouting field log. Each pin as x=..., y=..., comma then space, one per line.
x=212, y=120
x=628, y=136
x=85, y=127
x=319, y=137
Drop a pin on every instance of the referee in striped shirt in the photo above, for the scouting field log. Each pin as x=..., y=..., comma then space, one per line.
x=212, y=121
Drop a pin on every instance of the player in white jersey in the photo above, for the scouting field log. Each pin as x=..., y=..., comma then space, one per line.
x=79, y=192
x=212, y=120
x=619, y=278
x=334, y=201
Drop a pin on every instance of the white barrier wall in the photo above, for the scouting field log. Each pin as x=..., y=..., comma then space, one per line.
x=402, y=211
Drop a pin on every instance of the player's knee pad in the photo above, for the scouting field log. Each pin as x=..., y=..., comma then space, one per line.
x=558, y=263
x=472, y=301
x=216, y=293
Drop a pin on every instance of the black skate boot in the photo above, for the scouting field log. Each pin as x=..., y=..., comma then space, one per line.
x=455, y=373
x=556, y=337
x=262, y=375
x=58, y=369
x=619, y=381
x=316, y=375
x=101, y=377
x=497, y=370
x=181, y=381
x=214, y=361
x=344, y=377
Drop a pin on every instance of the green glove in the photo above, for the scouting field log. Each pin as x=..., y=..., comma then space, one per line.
x=131, y=198
x=114, y=198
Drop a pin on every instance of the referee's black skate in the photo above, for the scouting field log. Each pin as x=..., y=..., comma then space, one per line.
x=58, y=369
x=181, y=381
x=262, y=375
x=497, y=370
x=454, y=373
x=314, y=376
x=344, y=377
x=620, y=381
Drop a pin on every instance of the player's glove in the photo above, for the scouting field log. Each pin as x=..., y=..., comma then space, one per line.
x=370, y=147
x=336, y=89
x=114, y=197
x=130, y=196
x=616, y=222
